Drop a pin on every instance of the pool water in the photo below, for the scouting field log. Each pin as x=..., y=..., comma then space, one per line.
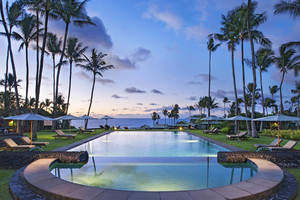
x=153, y=161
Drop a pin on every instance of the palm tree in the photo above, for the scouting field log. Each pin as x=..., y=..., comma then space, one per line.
x=199, y=105
x=230, y=35
x=46, y=104
x=70, y=11
x=293, y=8
x=296, y=91
x=7, y=32
x=27, y=27
x=211, y=48
x=165, y=113
x=190, y=108
x=286, y=61
x=225, y=100
x=263, y=59
x=273, y=90
x=96, y=65
x=53, y=48
x=268, y=104
x=73, y=52
x=154, y=117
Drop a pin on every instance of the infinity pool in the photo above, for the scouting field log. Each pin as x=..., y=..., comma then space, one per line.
x=152, y=161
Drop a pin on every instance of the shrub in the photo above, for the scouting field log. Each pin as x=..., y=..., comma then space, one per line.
x=285, y=134
x=226, y=130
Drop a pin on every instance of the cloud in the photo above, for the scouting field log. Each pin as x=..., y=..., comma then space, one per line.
x=139, y=104
x=134, y=90
x=155, y=91
x=121, y=63
x=219, y=93
x=117, y=96
x=170, y=19
x=194, y=83
x=205, y=77
x=197, y=33
x=152, y=104
x=141, y=54
x=192, y=98
x=105, y=81
x=90, y=35
x=289, y=77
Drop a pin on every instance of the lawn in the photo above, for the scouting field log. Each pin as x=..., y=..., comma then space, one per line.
x=46, y=136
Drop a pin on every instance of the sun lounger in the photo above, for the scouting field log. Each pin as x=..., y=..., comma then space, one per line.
x=83, y=130
x=61, y=134
x=288, y=146
x=272, y=144
x=11, y=145
x=211, y=131
x=242, y=135
x=26, y=141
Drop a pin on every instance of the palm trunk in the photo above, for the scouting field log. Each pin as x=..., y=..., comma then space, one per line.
x=12, y=64
x=254, y=133
x=244, y=86
x=262, y=99
x=91, y=100
x=54, y=99
x=37, y=64
x=59, y=65
x=27, y=76
x=224, y=109
x=70, y=83
x=6, y=70
x=235, y=91
x=208, y=109
x=280, y=92
x=42, y=60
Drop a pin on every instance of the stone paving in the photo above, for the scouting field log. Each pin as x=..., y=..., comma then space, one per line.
x=39, y=178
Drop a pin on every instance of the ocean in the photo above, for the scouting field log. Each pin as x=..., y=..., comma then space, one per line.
x=129, y=122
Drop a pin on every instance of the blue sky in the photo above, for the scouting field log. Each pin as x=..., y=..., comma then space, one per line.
x=160, y=55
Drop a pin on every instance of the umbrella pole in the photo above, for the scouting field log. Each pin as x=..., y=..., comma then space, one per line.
x=278, y=134
x=30, y=132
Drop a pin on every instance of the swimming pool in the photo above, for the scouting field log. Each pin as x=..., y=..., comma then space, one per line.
x=152, y=161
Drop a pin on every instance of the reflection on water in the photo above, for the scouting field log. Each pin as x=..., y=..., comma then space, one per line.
x=155, y=176
x=152, y=161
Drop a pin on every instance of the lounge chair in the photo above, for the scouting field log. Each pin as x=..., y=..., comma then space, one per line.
x=272, y=144
x=211, y=131
x=241, y=135
x=61, y=134
x=83, y=130
x=11, y=145
x=26, y=141
x=288, y=146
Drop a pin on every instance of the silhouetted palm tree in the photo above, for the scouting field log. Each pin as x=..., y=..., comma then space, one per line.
x=273, y=90
x=291, y=7
x=27, y=34
x=165, y=113
x=190, y=108
x=225, y=100
x=96, y=65
x=73, y=52
x=211, y=48
x=288, y=60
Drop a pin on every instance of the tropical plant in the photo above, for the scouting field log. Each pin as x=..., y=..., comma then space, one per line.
x=273, y=90
x=96, y=65
x=27, y=34
x=211, y=48
x=287, y=60
x=225, y=100
x=291, y=7
x=70, y=11
x=263, y=59
x=230, y=35
x=269, y=103
x=74, y=53
x=296, y=91
x=46, y=104
x=165, y=113
x=175, y=112
x=190, y=108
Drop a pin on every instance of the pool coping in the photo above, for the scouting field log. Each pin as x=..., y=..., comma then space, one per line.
x=266, y=181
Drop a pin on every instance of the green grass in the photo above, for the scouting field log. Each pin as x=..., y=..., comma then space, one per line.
x=46, y=136
x=5, y=174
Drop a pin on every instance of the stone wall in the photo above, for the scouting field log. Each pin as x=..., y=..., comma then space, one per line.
x=16, y=160
x=286, y=159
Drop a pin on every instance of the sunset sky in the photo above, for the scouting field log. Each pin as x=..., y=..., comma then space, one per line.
x=159, y=51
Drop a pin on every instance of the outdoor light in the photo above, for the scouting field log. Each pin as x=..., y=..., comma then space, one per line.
x=115, y=128
x=180, y=128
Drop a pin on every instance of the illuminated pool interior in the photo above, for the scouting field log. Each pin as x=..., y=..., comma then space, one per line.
x=152, y=161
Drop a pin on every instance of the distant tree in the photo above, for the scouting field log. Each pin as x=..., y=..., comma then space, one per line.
x=296, y=91
x=190, y=108
x=154, y=117
x=225, y=100
x=165, y=113
x=269, y=103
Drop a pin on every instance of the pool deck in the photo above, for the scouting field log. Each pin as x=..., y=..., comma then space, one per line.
x=39, y=178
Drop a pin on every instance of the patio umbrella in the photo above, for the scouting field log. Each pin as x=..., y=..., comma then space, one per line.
x=69, y=118
x=86, y=118
x=106, y=118
x=238, y=118
x=212, y=118
x=29, y=117
x=278, y=118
